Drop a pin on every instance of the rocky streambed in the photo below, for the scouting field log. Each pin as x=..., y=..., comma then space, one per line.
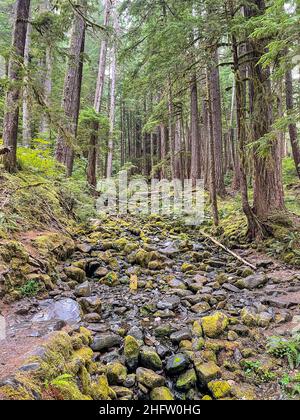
x=152, y=310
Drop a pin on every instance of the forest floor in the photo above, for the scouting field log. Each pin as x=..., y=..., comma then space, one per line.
x=199, y=316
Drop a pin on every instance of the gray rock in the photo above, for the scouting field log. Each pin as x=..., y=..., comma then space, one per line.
x=177, y=363
x=181, y=335
x=149, y=378
x=105, y=341
x=66, y=310
x=30, y=367
x=92, y=318
x=83, y=290
x=150, y=359
x=85, y=248
x=136, y=333
x=170, y=302
x=252, y=282
x=91, y=304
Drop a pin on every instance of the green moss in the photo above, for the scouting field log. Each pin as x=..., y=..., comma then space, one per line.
x=102, y=390
x=187, y=380
x=111, y=279
x=219, y=389
x=161, y=394
x=214, y=325
x=116, y=373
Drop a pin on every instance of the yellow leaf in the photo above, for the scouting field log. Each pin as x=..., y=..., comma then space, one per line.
x=133, y=282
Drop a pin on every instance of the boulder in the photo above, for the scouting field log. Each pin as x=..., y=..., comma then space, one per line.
x=150, y=359
x=187, y=380
x=105, y=341
x=83, y=290
x=214, y=325
x=66, y=310
x=161, y=394
x=149, y=378
x=75, y=273
x=91, y=304
x=207, y=372
x=116, y=373
x=177, y=363
x=131, y=352
x=252, y=282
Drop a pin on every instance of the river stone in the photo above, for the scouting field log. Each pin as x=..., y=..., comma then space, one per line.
x=186, y=380
x=136, y=333
x=170, y=302
x=207, y=372
x=83, y=290
x=181, y=335
x=219, y=389
x=85, y=248
x=105, y=341
x=177, y=363
x=214, y=325
x=91, y=304
x=101, y=272
x=161, y=394
x=131, y=352
x=75, y=273
x=66, y=310
x=116, y=373
x=149, y=378
x=252, y=282
x=92, y=318
x=200, y=307
x=150, y=359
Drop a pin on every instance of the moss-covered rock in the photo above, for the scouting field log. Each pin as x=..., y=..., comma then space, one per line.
x=187, y=380
x=75, y=273
x=150, y=359
x=149, y=378
x=219, y=389
x=111, y=279
x=116, y=373
x=161, y=394
x=131, y=352
x=207, y=372
x=214, y=325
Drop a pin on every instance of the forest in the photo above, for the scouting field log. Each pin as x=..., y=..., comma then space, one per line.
x=139, y=304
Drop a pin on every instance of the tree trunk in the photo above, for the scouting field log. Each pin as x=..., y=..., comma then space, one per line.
x=268, y=187
x=213, y=184
x=112, y=110
x=292, y=127
x=26, y=140
x=47, y=83
x=71, y=95
x=11, y=116
x=163, y=149
x=92, y=156
x=217, y=123
x=195, y=133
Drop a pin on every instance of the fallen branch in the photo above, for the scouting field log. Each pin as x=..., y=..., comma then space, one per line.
x=228, y=250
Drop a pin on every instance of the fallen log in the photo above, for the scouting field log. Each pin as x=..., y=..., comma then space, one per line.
x=238, y=257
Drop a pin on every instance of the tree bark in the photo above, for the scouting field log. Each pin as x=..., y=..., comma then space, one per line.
x=27, y=134
x=11, y=116
x=217, y=122
x=71, y=95
x=268, y=187
x=213, y=184
x=289, y=90
x=195, y=133
x=112, y=110
x=92, y=156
